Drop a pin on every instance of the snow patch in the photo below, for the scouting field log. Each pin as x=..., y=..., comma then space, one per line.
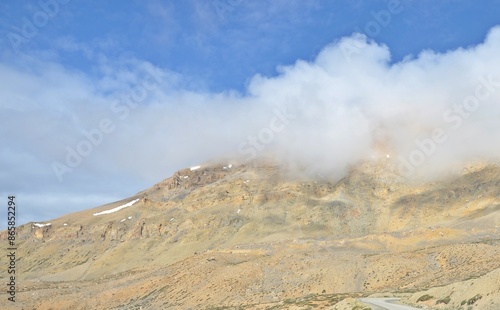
x=123, y=220
x=41, y=224
x=65, y=224
x=194, y=168
x=117, y=208
x=129, y=217
x=239, y=210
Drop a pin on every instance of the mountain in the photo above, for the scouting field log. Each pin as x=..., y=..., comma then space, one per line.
x=259, y=235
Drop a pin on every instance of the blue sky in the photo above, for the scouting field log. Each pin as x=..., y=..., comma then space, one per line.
x=221, y=44
x=67, y=65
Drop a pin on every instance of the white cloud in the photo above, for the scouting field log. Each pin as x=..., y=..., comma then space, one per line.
x=345, y=110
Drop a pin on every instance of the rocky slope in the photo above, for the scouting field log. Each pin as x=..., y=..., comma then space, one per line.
x=256, y=236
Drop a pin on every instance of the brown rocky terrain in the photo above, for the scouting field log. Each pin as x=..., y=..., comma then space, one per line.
x=254, y=236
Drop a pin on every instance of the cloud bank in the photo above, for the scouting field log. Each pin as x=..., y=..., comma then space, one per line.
x=132, y=120
x=427, y=113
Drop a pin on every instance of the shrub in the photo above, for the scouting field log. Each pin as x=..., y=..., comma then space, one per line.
x=474, y=299
x=424, y=298
x=445, y=300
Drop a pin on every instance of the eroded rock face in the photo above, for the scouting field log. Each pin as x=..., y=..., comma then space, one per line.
x=288, y=236
x=38, y=233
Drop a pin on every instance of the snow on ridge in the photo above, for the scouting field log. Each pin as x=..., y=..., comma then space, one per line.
x=126, y=219
x=194, y=168
x=41, y=224
x=227, y=167
x=117, y=208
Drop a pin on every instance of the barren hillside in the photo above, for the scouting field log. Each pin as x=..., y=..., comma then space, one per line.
x=256, y=236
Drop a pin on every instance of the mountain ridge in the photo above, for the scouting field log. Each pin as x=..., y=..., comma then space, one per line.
x=254, y=234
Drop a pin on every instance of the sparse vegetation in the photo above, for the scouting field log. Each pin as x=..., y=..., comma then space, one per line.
x=361, y=308
x=424, y=298
x=445, y=300
x=474, y=299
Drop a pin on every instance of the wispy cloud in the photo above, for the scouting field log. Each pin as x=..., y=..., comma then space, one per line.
x=344, y=111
